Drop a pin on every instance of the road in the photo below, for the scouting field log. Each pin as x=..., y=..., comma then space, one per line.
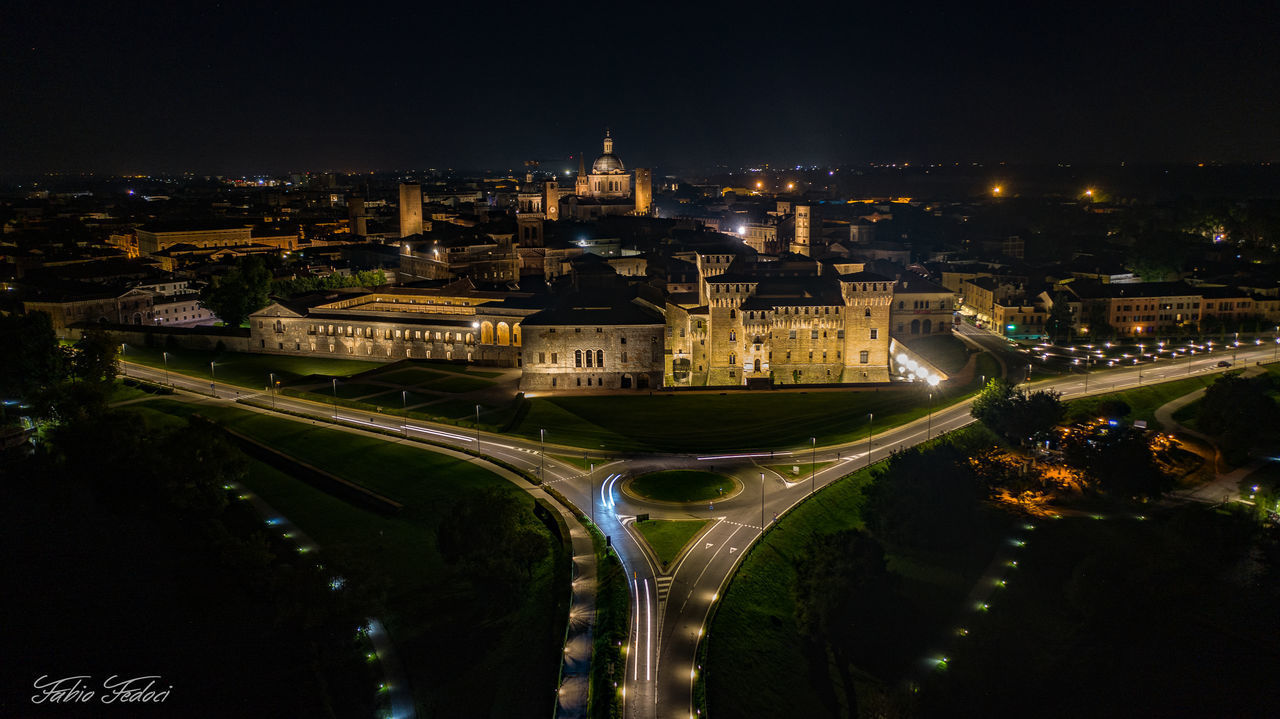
x=670, y=609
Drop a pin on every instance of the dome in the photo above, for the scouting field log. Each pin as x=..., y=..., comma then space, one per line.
x=607, y=163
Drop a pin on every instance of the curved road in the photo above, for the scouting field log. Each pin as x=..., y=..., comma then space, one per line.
x=670, y=609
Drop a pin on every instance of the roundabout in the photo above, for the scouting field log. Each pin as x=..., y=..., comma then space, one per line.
x=681, y=486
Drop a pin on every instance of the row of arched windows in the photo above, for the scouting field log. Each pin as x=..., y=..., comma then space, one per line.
x=589, y=356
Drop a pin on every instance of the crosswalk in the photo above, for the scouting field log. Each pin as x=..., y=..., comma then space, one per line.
x=664, y=587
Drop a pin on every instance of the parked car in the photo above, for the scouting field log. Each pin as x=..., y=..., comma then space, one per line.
x=1224, y=363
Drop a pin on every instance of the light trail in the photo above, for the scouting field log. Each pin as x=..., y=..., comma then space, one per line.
x=744, y=456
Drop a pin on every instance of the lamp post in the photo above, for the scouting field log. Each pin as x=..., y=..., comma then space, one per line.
x=542, y=455
x=213, y=380
x=592, y=476
x=335, y=397
x=477, y=429
x=813, y=464
x=762, y=503
x=870, y=416
x=123, y=369
x=166, y=367
x=404, y=407
x=271, y=377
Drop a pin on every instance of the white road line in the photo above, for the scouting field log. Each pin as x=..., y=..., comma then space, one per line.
x=648, y=658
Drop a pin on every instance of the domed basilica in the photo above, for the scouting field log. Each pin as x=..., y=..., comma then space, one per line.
x=608, y=180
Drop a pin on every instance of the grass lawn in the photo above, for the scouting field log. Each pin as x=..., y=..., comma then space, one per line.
x=453, y=640
x=945, y=351
x=406, y=375
x=578, y=462
x=754, y=640
x=1122, y=618
x=352, y=390
x=681, y=485
x=806, y=469
x=241, y=368
x=457, y=384
x=720, y=422
x=425, y=370
x=123, y=393
x=666, y=537
x=1143, y=401
x=396, y=400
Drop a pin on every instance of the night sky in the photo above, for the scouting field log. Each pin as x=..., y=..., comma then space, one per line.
x=242, y=88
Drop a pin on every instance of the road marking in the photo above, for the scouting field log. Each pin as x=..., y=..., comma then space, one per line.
x=732, y=550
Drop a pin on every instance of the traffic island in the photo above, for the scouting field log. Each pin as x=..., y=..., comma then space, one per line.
x=669, y=537
x=682, y=486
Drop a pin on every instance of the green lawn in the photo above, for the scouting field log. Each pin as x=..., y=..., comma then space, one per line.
x=457, y=384
x=720, y=422
x=453, y=641
x=681, y=485
x=1121, y=618
x=407, y=375
x=352, y=390
x=805, y=469
x=425, y=370
x=1143, y=401
x=243, y=369
x=945, y=351
x=754, y=640
x=578, y=462
x=667, y=537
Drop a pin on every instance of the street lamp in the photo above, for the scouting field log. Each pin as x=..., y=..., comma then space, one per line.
x=762, y=503
x=213, y=380
x=166, y=367
x=335, y=397
x=813, y=464
x=870, y=416
x=271, y=377
x=542, y=455
x=404, y=407
x=477, y=429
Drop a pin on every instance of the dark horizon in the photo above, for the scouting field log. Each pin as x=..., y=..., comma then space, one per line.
x=227, y=89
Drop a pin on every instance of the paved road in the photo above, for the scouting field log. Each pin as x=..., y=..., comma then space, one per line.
x=670, y=609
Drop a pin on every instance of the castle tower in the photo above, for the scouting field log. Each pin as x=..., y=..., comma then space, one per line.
x=644, y=190
x=551, y=200
x=802, y=244
x=529, y=230
x=356, y=218
x=410, y=209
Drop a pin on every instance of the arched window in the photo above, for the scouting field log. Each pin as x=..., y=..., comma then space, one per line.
x=733, y=336
x=599, y=358
x=733, y=359
x=589, y=358
x=866, y=312
x=733, y=314
x=577, y=358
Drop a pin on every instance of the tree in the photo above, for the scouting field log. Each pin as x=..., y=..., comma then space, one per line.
x=30, y=360
x=240, y=292
x=1119, y=461
x=844, y=596
x=925, y=498
x=94, y=357
x=1239, y=411
x=1015, y=413
x=1058, y=323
